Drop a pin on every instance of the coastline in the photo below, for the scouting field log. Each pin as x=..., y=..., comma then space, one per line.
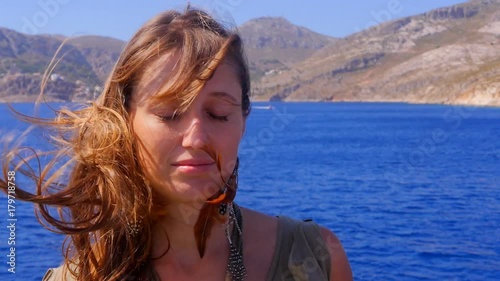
x=492, y=105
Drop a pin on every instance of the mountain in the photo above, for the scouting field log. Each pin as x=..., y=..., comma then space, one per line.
x=449, y=55
x=272, y=44
x=101, y=52
x=80, y=72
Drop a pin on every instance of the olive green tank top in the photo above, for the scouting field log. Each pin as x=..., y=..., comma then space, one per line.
x=300, y=254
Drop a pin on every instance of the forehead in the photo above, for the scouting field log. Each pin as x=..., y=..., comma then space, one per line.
x=155, y=76
x=163, y=72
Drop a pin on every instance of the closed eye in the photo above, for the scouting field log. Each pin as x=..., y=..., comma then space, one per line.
x=172, y=117
x=217, y=117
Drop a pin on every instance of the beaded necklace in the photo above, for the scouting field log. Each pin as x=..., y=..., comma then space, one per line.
x=236, y=270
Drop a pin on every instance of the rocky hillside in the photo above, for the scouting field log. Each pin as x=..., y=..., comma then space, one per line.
x=101, y=53
x=449, y=55
x=79, y=74
x=273, y=44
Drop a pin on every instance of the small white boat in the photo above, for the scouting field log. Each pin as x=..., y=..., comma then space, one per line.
x=263, y=107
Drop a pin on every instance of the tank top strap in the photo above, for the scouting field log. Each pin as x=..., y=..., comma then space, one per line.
x=300, y=252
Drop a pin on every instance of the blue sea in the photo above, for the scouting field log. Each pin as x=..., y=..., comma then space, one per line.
x=412, y=191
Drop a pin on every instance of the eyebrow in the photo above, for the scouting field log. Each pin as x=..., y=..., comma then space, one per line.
x=232, y=99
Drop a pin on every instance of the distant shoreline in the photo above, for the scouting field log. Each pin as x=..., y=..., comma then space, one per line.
x=388, y=102
x=4, y=101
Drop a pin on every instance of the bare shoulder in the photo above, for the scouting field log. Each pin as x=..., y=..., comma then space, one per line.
x=341, y=270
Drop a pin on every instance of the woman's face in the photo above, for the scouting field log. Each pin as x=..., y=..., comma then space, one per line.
x=170, y=146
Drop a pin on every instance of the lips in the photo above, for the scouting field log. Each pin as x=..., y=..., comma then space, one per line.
x=194, y=166
x=194, y=162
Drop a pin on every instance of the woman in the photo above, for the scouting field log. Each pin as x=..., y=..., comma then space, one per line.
x=153, y=171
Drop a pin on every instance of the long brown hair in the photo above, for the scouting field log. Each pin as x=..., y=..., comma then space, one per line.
x=94, y=178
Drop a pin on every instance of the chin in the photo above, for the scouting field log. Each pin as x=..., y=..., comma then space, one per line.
x=189, y=190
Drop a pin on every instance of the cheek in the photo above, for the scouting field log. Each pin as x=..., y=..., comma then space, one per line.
x=155, y=143
x=231, y=133
x=230, y=140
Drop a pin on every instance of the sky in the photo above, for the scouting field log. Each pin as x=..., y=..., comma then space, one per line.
x=120, y=19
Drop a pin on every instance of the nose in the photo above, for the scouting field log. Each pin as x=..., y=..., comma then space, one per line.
x=195, y=135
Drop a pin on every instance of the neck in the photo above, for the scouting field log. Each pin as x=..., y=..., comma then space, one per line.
x=178, y=224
